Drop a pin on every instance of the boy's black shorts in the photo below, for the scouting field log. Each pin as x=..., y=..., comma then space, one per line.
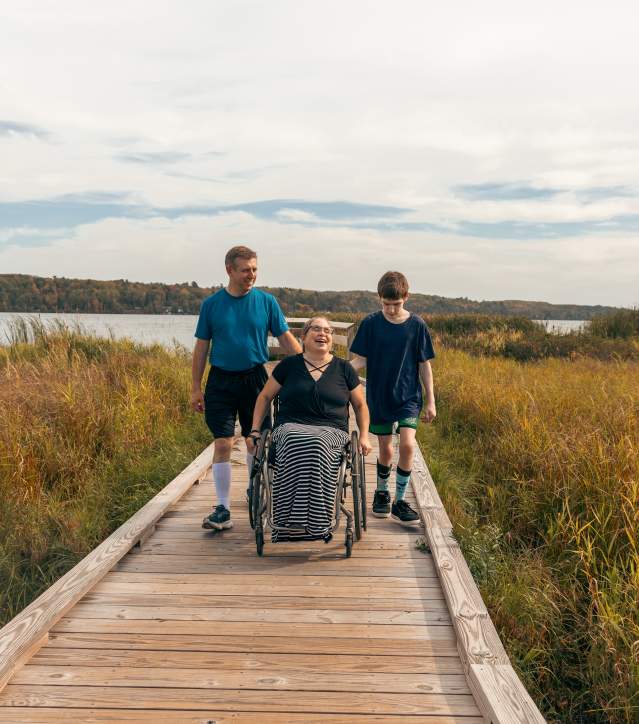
x=228, y=395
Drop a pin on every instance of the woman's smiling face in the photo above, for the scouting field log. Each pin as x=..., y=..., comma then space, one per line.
x=319, y=336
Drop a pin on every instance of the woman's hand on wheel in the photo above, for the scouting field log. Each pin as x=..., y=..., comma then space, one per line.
x=364, y=444
x=250, y=445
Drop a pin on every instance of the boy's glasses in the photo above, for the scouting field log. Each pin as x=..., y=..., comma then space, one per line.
x=317, y=329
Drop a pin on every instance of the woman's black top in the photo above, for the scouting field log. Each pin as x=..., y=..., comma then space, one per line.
x=314, y=402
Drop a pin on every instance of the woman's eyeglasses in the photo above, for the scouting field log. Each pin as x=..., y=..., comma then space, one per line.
x=317, y=329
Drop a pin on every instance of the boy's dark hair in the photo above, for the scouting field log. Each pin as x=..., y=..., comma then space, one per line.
x=393, y=285
x=238, y=252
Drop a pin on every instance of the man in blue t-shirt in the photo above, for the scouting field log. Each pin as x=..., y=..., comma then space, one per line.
x=395, y=347
x=237, y=320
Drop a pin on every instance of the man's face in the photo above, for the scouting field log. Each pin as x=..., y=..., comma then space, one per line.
x=243, y=273
x=393, y=308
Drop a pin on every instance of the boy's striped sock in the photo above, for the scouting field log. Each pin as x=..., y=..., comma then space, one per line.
x=383, y=474
x=401, y=481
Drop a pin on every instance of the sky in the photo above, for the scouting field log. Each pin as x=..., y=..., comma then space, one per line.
x=487, y=150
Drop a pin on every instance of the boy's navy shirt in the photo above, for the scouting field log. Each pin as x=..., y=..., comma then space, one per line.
x=393, y=353
x=239, y=327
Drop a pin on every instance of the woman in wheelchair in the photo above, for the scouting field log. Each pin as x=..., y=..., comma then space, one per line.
x=311, y=430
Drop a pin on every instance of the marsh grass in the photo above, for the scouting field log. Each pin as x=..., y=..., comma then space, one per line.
x=525, y=340
x=538, y=467
x=608, y=337
x=623, y=324
x=91, y=429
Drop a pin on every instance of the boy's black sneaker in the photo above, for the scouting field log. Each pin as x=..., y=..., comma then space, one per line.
x=381, y=504
x=219, y=519
x=403, y=513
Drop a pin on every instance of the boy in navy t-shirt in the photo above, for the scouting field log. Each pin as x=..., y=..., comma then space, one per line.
x=395, y=347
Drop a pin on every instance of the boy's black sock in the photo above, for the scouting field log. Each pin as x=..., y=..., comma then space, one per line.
x=401, y=481
x=383, y=474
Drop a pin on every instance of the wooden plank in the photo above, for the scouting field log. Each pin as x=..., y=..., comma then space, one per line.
x=173, y=598
x=268, y=589
x=241, y=530
x=301, y=321
x=283, y=679
x=269, y=663
x=238, y=700
x=257, y=629
x=309, y=582
x=500, y=694
x=292, y=566
x=214, y=716
x=288, y=615
x=318, y=645
x=18, y=637
x=234, y=550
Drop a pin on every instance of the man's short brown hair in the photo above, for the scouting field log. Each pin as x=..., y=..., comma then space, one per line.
x=238, y=252
x=393, y=285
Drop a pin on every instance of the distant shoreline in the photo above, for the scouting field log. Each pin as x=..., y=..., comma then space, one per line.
x=27, y=294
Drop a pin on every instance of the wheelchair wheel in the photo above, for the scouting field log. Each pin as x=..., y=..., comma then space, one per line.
x=259, y=540
x=256, y=484
x=356, y=485
x=362, y=488
x=349, y=544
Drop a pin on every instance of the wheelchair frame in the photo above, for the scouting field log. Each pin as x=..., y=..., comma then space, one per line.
x=351, y=474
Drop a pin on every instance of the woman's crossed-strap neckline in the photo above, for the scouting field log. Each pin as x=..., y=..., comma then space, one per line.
x=316, y=368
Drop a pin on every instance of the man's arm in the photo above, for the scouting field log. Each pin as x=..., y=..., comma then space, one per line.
x=200, y=354
x=289, y=343
x=426, y=376
x=358, y=362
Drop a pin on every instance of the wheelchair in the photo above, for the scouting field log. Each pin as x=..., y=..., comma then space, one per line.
x=351, y=475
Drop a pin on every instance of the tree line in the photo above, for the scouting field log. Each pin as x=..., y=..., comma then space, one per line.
x=31, y=294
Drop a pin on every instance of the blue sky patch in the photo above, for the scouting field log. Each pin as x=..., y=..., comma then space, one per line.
x=153, y=158
x=505, y=192
x=14, y=128
x=28, y=221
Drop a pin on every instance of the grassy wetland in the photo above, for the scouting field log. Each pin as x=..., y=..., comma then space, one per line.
x=535, y=452
x=91, y=429
x=537, y=462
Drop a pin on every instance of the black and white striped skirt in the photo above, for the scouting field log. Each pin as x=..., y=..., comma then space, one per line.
x=307, y=461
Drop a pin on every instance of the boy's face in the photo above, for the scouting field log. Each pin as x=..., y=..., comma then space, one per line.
x=393, y=308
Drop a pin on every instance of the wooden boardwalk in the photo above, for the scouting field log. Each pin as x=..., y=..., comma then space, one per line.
x=193, y=626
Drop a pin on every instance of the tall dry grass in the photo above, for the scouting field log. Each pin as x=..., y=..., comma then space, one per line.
x=90, y=429
x=539, y=469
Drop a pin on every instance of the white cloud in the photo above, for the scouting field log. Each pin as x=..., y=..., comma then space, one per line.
x=362, y=101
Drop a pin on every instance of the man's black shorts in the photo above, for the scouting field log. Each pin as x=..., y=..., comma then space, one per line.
x=228, y=395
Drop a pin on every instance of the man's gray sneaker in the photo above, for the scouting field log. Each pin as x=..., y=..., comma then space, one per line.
x=403, y=513
x=219, y=519
x=381, y=504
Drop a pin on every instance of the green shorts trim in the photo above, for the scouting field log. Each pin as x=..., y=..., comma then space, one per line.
x=386, y=428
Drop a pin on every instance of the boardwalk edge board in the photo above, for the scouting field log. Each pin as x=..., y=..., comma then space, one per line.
x=498, y=691
x=28, y=631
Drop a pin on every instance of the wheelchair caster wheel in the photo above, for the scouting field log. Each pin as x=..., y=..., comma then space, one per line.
x=349, y=545
x=259, y=542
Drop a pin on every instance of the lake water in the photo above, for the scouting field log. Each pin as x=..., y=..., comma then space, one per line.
x=561, y=326
x=165, y=329
x=170, y=328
